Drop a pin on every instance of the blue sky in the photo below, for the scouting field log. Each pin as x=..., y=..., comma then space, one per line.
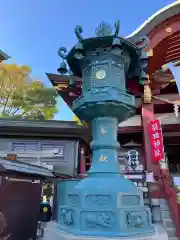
x=33, y=30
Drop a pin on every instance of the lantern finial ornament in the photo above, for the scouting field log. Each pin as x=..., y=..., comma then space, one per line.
x=104, y=29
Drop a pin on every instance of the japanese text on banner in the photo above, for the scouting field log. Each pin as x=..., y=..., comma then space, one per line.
x=156, y=141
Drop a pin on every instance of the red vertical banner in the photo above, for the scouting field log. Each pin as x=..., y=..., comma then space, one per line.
x=156, y=137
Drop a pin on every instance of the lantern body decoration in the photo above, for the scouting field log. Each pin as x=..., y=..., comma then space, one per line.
x=105, y=203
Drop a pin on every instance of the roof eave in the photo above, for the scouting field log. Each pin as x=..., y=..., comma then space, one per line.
x=4, y=56
x=16, y=166
x=157, y=18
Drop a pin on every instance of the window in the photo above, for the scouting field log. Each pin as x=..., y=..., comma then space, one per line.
x=23, y=147
x=55, y=148
x=18, y=147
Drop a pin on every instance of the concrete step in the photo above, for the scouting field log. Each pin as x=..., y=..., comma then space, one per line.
x=171, y=232
x=164, y=205
x=166, y=214
x=168, y=223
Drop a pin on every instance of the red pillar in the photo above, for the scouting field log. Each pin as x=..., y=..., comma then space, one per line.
x=161, y=174
x=171, y=195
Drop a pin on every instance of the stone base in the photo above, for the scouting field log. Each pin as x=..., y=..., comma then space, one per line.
x=52, y=232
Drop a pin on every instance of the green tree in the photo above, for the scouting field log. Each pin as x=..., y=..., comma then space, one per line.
x=48, y=190
x=23, y=97
x=78, y=121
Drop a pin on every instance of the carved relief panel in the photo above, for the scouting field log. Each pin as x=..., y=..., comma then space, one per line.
x=98, y=220
x=67, y=216
x=73, y=200
x=98, y=200
x=134, y=220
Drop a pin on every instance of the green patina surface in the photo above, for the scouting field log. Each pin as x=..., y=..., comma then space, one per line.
x=104, y=203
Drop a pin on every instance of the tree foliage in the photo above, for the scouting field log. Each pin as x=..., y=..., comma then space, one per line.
x=23, y=97
x=48, y=190
x=78, y=121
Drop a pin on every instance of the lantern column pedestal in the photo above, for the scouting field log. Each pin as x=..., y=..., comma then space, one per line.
x=104, y=205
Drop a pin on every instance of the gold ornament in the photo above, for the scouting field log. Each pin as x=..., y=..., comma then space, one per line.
x=168, y=29
x=61, y=86
x=150, y=53
x=178, y=198
x=103, y=158
x=101, y=74
x=147, y=94
x=103, y=131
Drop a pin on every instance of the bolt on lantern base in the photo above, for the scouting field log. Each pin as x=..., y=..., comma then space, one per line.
x=105, y=203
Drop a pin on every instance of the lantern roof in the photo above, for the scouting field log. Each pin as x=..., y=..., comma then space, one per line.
x=102, y=43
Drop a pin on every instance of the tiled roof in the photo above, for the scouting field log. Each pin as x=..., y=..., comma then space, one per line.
x=156, y=19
